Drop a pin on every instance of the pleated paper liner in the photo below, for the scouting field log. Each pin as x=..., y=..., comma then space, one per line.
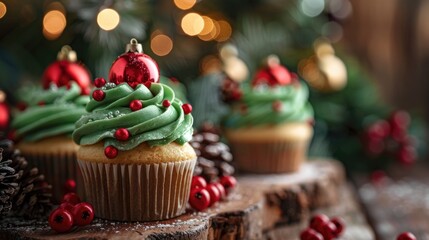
x=57, y=168
x=269, y=157
x=132, y=192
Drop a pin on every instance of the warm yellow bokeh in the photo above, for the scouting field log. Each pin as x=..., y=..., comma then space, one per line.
x=54, y=23
x=3, y=10
x=161, y=45
x=225, y=31
x=108, y=19
x=192, y=24
x=185, y=4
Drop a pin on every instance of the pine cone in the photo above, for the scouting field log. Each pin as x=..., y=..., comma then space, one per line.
x=9, y=186
x=32, y=198
x=214, y=157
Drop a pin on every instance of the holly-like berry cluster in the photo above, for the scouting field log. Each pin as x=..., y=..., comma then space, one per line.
x=323, y=228
x=390, y=137
x=406, y=236
x=205, y=195
x=71, y=212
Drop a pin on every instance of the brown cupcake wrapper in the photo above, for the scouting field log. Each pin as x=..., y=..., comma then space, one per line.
x=131, y=192
x=270, y=157
x=57, y=169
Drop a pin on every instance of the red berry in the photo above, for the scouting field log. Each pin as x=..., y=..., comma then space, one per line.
x=228, y=182
x=98, y=95
x=99, y=82
x=400, y=119
x=83, y=214
x=122, y=134
x=328, y=230
x=406, y=155
x=199, y=199
x=21, y=106
x=379, y=129
x=317, y=221
x=61, y=220
x=111, y=152
x=375, y=146
x=221, y=189
x=339, y=224
x=70, y=186
x=71, y=198
x=136, y=105
x=406, y=236
x=310, y=234
x=214, y=193
x=277, y=106
x=198, y=182
x=166, y=103
x=148, y=84
x=67, y=206
x=187, y=108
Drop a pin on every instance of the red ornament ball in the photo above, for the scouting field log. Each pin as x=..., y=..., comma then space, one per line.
x=187, y=108
x=98, y=95
x=99, y=82
x=166, y=103
x=4, y=116
x=134, y=68
x=310, y=234
x=406, y=236
x=198, y=182
x=214, y=194
x=71, y=198
x=228, y=182
x=83, y=214
x=122, y=134
x=199, y=199
x=111, y=152
x=329, y=230
x=273, y=76
x=136, y=105
x=62, y=72
x=60, y=220
x=70, y=186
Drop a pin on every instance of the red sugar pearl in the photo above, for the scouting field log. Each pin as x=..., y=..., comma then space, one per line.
x=136, y=105
x=122, y=134
x=111, y=152
x=187, y=108
x=166, y=103
x=99, y=82
x=98, y=95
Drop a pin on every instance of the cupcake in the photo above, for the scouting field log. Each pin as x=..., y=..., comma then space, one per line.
x=269, y=126
x=44, y=126
x=134, y=154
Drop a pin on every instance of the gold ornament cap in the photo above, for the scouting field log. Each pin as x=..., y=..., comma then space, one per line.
x=134, y=46
x=67, y=53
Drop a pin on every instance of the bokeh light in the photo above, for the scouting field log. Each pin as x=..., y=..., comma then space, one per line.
x=56, y=6
x=54, y=23
x=161, y=45
x=312, y=8
x=3, y=10
x=108, y=19
x=185, y=4
x=225, y=31
x=192, y=24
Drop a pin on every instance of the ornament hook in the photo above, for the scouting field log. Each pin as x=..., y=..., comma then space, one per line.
x=134, y=46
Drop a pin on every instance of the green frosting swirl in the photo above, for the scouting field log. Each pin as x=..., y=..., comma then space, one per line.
x=258, y=103
x=61, y=108
x=153, y=124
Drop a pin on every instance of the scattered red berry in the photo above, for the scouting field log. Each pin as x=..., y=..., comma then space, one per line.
x=406, y=236
x=310, y=234
x=71, y=198
x=339, y=224
x=198, y=182
x=221, y=189
x=98, y=95
x=317, y=221
x=228, y=182
x=61, y=220
x=67, y=206
x=166, y=103
x=199, y=199
x=187, y=108
x=111, y=152
x=136, y=105
x=122, y=134
x=70, y=186
x=99, y=82
x=83, y=214
x=329, y=230
x=214, y=193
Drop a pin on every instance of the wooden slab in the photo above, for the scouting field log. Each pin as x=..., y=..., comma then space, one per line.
x=290, y=197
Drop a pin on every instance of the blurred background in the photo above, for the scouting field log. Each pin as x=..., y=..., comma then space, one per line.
x=377, y=64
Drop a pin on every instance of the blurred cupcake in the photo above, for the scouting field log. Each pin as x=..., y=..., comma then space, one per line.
x=46, y=118
x=135, y=158
x=269, y=127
